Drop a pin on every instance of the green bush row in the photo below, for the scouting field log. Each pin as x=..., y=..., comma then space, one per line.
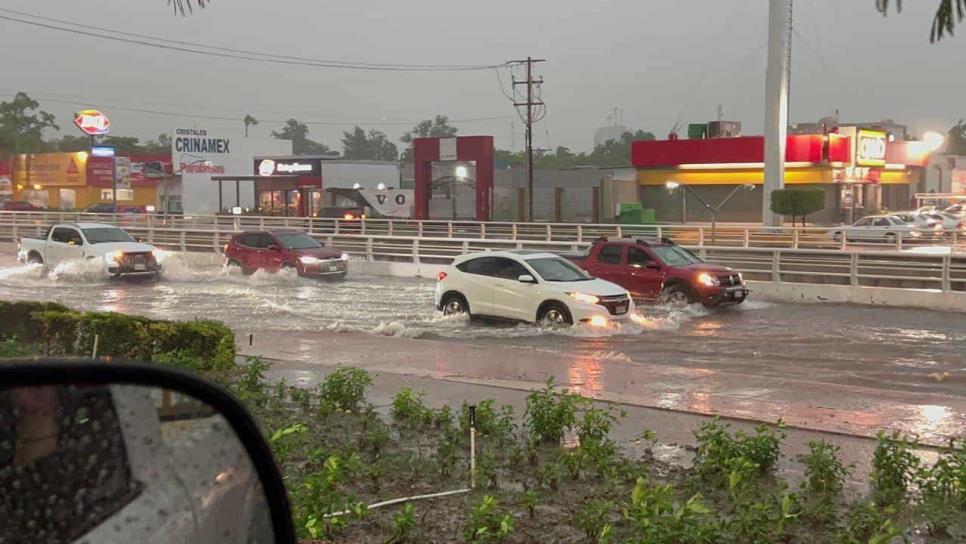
x=65, y=332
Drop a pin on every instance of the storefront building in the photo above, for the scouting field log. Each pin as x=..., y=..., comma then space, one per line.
x=69, y=181
x=861, y=172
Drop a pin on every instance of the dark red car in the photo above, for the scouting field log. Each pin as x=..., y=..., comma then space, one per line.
x=282, y=249
x=662, y=270
x=19, y=206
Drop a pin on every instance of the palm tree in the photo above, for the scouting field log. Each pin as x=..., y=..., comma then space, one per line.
x=249, y=121
x=947, y=15
x=183, y=7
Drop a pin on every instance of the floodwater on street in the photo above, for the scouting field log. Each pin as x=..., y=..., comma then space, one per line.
x=881, y=348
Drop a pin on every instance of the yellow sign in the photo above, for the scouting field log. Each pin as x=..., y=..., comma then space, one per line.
x=870, y=148
x=51, y=169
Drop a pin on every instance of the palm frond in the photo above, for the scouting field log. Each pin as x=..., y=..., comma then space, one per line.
x=949, y=13
x=185, y=7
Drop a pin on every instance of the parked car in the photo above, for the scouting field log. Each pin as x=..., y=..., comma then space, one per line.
x=108, y=207
x=121, y=254
x=530, y=287
x=285, y=249
x=341, y=212
x=875, y=228
x=662, y=270
x=958, y=210
x=952, y=223
x=19, y=206
x=920, y=220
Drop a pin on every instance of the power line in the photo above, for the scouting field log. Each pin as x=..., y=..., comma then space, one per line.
x=226, y=118
x=238, y=54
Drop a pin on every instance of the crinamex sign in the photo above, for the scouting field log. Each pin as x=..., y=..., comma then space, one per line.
x=870, y=148
x=190, y=140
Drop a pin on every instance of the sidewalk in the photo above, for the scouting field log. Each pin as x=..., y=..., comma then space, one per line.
x=810, y=406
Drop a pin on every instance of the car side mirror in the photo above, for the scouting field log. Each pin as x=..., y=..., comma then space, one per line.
x=526, y=278
x=273, y=247
x=99, y=438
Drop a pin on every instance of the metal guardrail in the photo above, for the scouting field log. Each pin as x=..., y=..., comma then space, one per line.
x=692, y=235
x=801, y=265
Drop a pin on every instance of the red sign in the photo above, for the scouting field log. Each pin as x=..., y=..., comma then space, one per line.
x=92, y=122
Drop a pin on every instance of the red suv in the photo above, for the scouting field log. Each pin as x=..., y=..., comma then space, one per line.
x=285, y=249
x=662, y=270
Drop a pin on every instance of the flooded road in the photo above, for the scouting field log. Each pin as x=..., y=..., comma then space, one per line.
x=882, y=348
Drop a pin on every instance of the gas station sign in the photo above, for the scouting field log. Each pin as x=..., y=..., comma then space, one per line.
x=92, y=122
x=870, y=148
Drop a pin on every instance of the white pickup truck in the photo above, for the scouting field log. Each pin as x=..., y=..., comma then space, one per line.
x=120, y=254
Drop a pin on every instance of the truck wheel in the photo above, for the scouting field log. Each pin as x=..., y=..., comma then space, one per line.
x=677, y=295
x=33, y=258
x=554, y=314
x=454, y=304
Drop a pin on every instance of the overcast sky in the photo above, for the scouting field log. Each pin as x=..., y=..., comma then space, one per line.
x=663, y=61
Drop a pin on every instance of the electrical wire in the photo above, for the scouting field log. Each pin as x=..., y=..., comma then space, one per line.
x=237, y=54
x=282, y=121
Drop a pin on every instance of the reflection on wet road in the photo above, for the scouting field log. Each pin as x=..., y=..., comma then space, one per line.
x=903, y=351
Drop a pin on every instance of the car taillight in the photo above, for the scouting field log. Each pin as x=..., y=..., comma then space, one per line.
x=225, y=250
x=347, y=216
x=441, y=276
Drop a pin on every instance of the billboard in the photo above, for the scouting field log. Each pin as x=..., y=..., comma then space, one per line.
x=199, y=153
x=51, y=169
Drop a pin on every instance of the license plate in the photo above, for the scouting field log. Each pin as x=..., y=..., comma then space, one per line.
x=140, y=267
x=333, y=267
x=621, y=308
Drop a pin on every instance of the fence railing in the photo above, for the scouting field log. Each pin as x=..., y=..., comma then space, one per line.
x=12, y=224
x=867, y=267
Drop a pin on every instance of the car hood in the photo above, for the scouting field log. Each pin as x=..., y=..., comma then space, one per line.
x=320, y=252
x=713, y=269
x=596, y=286
x=126, y=247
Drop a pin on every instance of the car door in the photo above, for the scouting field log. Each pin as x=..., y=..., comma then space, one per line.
x=880, y=228
x=609, y=263
x=272, y=258
x=56, y=247
x=513, y=299
x=860, y=229
x=477, y=285
x=644, y=274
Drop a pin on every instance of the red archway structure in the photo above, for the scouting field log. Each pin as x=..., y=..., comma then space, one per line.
x=426, y=151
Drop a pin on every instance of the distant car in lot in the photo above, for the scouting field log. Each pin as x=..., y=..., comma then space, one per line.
x=120, y=253
x=919, y=220
x=530, y=287
x=19, y=206
x=107, y=207
x=958, y=210
x=877, y=229
x=341, y=212
x=662, y=270
x=275, y=250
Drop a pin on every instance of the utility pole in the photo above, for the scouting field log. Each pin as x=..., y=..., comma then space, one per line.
x=776, y=103
x=529, y=120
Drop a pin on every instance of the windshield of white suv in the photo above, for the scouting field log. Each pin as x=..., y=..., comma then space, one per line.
x=105, y=235
x=298, y=241
x=557, y=269
x=675, y=255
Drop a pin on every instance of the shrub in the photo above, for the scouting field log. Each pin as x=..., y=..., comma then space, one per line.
x=894, y=467
x=407, y=406
x=593, y=518
x=489, y=422
x=549, y=414
x=488, y=523
x=866, y=524
x=404, y=524
x=718, y=449
x=657, y=518
x=824, y=481
x=344, y=389
x=797, y=202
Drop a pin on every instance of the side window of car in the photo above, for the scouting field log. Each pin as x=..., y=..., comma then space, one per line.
x=882, y=222
x=265, y=240
x=509, y=269
x=862, y=222
x=610, y=254
x=60, y=235
x=483, y=266
x=637, y=258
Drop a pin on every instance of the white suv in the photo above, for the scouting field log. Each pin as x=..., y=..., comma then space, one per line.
x=530, y=287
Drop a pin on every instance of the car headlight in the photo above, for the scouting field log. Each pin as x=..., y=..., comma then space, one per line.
x=584, y=297
x=345, y=257
x=915, y=234
x=114, y=257
x=741, y=279
x=707, y=279
x=308, y=259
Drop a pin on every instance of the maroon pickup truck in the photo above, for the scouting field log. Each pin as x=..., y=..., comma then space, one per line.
x=662, y=270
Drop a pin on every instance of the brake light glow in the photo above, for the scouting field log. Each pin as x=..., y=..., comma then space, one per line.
x=441, y=276
x=225, y=249
x=347, y=216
